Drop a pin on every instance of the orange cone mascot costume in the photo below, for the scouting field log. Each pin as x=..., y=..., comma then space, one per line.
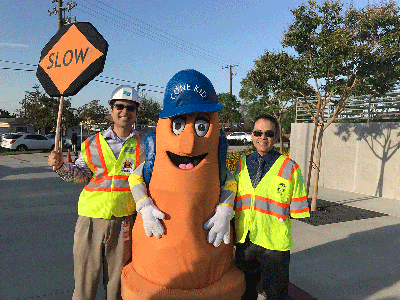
x=189, y=192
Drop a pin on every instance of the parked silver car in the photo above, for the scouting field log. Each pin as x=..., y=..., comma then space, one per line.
x=52, y=136
x=26, y=141
x=245, y=137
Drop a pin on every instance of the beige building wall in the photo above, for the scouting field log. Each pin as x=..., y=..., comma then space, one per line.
x=361, y=158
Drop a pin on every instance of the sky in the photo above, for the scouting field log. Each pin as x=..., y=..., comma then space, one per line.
x=149, y=41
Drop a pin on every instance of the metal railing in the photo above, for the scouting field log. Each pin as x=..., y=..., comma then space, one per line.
x=358, y=109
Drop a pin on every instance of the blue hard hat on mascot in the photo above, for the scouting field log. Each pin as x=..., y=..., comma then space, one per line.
x=189, y=91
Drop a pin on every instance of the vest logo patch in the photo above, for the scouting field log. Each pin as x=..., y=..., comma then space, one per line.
x=281, y=188
x=130, y=150
x=127, y=165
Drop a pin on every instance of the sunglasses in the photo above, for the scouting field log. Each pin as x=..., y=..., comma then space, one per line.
x=268, y=133
x=130, y=108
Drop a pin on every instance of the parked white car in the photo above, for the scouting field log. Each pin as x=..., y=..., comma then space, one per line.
x=245, y=137
x=52, y=136
x=26, y=141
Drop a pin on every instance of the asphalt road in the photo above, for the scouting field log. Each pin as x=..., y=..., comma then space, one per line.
x=38, y=212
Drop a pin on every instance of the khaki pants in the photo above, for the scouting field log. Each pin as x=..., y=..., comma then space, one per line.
x=98, y=243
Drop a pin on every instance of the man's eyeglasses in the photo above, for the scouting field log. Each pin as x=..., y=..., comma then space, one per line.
x=130, y=108
x=268, y=133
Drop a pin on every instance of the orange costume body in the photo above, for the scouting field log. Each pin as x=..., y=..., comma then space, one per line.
x=182, y=264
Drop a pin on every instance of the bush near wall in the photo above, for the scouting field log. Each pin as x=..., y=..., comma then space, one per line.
x=233, y=157
x=235, y=143
x=285, y=139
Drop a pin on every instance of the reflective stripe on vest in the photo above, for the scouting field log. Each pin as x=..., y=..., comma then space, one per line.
x=243, y=202
x=102, y=181
x=105, y=185
x=263, y=213
x=266, y=205
x=271, y=207
x=299, y=205
x=108, y=192
x=238, y=166
x=287, y=169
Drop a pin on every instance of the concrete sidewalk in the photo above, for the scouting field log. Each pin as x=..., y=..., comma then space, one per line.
x=349, y=260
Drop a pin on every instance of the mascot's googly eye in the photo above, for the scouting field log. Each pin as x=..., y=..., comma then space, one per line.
x=178, y=125
x=201, y=126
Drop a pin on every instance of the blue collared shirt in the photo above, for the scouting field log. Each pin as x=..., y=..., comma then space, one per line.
x=252, y=162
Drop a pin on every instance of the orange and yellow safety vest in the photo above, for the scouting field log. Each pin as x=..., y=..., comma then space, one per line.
x=264, y=212
x=108, y=193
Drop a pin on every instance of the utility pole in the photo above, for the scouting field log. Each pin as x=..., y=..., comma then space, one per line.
x=60, y=10
x=137, y=89
x=230, y=75
x=230, y=86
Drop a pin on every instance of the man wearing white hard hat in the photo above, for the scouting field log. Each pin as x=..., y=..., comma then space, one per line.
x=104, y=164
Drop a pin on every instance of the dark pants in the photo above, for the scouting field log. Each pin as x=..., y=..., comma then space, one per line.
x=265, y=270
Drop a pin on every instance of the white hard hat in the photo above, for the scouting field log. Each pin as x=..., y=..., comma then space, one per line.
x=125, y=92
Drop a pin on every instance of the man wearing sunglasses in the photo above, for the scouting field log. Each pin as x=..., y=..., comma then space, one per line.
x=270, y=191
x=104, y=164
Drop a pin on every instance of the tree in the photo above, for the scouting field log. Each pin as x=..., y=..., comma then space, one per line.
x=348, y=53
x=6, y=114
x=93, y=113
x=230, y=109
x=339, y=53
x=288, y=118
x=266, y=97
x=39, y=110
x=148, y=111
x=256, y=108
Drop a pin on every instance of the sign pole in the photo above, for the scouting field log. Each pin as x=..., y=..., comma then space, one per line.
x=58, y=128
x=57, y=143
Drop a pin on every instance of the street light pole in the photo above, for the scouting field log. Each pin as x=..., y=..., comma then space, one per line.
x=137, y=89
x=138, y=86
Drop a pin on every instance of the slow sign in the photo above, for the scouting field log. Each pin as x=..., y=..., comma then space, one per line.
x=72, y=58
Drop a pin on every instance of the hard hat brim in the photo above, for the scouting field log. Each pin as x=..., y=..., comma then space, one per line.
x=189, y=108
x=113, y=100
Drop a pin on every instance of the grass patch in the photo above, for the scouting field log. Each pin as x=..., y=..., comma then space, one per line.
x=5, y=153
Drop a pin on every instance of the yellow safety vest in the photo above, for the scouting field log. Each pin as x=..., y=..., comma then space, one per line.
x=108, y=193
x=264, y=212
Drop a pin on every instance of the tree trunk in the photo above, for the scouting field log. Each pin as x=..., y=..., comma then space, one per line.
x=317, y=170
x=280, y=137
x=310, y=166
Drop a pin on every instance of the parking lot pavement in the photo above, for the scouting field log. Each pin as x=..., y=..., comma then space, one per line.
x=352, y=260
x=38, y=212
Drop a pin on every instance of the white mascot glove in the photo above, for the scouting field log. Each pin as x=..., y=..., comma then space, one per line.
x=220, y=225
x=151, y=222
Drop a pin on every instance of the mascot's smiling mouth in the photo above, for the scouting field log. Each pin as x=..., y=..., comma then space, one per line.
x=185, y=162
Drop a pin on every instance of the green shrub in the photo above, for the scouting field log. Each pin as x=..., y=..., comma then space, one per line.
x=233, y=157
x=285, y=139
x=285, y=150
x=235, y=143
